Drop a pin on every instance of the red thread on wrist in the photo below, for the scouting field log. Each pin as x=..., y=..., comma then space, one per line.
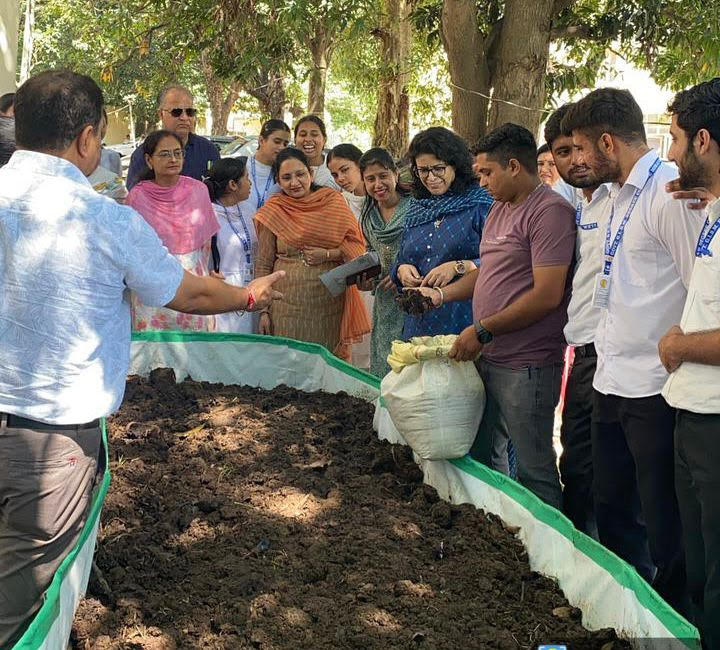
x=250, y=301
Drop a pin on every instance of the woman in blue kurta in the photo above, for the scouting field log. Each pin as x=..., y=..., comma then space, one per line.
x=443, y=224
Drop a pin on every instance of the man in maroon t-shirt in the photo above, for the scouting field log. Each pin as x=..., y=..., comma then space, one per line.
x=520, y=295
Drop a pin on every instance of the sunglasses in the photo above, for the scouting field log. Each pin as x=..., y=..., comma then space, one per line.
x=177, y=112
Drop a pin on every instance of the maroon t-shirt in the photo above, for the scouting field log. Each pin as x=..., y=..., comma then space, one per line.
x=538, y=232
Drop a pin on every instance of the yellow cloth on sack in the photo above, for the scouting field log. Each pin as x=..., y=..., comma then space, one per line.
x=419, y=348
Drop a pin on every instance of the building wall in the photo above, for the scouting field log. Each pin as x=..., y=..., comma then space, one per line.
x=9, y=19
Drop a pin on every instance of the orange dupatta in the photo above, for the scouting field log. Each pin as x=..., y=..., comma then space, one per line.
x=322, y=219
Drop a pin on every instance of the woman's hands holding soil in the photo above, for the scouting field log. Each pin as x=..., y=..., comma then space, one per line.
x=431, y=293
x=440, y=276
x=409, y=276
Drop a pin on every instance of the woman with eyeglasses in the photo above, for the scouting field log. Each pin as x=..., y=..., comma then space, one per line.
x=311, y=138
x=179, y=210
x=235, y=250
x=307, y=230
x=443, y=225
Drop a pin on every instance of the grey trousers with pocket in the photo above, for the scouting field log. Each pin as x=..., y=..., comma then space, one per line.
x=46, y=484
x=520, y=406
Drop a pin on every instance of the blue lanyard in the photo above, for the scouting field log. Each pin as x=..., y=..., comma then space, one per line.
x=260, y=199
x=246, y=241
x=706, y=237
x=578, y=217
x=611, y=249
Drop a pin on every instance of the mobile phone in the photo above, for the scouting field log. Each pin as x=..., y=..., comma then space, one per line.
x=372, y=272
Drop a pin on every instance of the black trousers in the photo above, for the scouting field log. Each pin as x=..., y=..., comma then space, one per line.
x=576, y=471
x=697, y=481
x=634, y=488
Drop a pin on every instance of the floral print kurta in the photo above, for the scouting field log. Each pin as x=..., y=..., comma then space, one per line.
x=146, y=318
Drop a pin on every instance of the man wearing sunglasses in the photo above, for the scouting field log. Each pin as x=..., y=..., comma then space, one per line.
x=177, y=114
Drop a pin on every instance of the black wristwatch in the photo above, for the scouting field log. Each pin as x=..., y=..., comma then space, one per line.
x=483, y=335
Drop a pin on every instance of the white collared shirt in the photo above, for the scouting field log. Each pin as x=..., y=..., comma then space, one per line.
x=68, y=257
x=694, y=386
x=571, y=194
x=649, y=279
x=583, y=318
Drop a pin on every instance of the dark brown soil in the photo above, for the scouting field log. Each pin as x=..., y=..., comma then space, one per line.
x=414, y=303
x=241, y=518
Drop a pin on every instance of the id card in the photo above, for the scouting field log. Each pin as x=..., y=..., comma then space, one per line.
x=247, y=276
x=601, y=291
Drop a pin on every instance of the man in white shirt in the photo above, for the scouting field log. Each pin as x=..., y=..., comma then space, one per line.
x=691, y=353
x=68, y=259
x=592, y=207
x=648, y=256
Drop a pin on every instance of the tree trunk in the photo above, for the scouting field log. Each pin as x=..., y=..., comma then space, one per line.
x=321, y=50
x=269, y=90
x=221, y=97
x=468, y=67
x=28, y=41
x=522, y=55
x=392, y=120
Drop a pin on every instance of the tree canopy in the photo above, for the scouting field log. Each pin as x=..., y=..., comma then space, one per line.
x=351, y=59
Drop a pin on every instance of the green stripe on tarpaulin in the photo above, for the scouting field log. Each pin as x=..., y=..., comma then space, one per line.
x=173, y=336
x=36, y=633
x=620, y=570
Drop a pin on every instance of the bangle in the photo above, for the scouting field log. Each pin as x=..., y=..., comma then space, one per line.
x=250, y=301
x=442, y=296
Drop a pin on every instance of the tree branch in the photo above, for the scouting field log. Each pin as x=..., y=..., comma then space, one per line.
x=576, y=31
x=561, y=5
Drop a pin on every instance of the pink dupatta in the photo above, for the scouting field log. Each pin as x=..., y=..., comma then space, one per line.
x=181, y=215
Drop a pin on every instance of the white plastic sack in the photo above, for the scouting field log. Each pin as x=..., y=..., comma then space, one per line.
x=436, y=403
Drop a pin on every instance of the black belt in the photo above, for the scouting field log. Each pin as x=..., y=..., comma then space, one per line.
x=17, y=422
x=587, y=350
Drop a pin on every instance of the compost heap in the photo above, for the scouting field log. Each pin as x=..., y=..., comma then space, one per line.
x=245, y=518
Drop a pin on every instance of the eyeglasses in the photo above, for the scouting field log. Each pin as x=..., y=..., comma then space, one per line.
x=438, y=171
x=177, y=112
x=167, y=155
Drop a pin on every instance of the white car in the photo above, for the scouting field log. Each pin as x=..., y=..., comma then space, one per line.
x=245, y=145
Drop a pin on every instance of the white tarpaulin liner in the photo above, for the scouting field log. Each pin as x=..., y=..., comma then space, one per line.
x=608, y=591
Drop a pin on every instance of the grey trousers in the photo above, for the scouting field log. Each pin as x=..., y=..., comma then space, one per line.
x=520, y=406
x=46, y=484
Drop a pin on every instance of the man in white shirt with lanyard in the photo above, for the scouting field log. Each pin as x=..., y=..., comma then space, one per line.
x=592, y=207
x=690, y=351
x=640, y=291
x=274, y=137
x=68, y=259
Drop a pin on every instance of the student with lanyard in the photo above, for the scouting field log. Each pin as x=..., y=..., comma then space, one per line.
x=274, y=137
x=235, y=245
x=690, y=351
x=593, y=204
x=639, y=292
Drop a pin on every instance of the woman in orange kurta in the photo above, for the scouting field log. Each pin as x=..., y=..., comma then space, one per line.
x=307, y=230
